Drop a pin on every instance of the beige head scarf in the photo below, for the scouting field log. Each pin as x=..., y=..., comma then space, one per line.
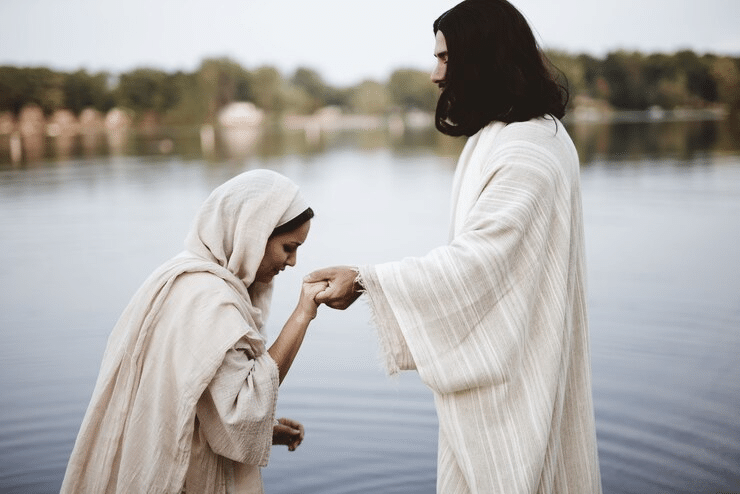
x=233, y=226
x=132, y=440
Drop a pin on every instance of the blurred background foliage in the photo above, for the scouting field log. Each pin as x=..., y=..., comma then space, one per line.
x=619, y=81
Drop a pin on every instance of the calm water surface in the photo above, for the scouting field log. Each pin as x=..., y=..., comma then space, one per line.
x=662, y=206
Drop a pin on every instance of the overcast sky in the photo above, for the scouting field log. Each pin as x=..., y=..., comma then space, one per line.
x=346, y=41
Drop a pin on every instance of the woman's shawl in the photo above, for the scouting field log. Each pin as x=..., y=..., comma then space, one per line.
x=495, y=322
x=137, y=432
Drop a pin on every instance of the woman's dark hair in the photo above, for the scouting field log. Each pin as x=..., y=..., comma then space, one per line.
x=495, y=69
x=293, y=224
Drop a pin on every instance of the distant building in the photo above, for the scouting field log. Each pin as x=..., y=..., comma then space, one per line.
x=240, y=114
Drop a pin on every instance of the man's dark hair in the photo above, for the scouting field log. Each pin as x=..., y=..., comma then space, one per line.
x=495, y=69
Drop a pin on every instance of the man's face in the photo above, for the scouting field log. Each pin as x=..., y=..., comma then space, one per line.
x=440, y=53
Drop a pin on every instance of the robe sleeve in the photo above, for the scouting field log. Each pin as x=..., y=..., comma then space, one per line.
x=396, y=351
x=236, y=403
x=463, y=311
x=237, y=410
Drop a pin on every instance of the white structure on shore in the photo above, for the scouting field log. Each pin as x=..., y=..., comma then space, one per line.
x=239, y=128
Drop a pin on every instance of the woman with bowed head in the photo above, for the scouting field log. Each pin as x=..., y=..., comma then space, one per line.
x=186, y=395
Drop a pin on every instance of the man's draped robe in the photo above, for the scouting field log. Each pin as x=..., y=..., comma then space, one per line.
x=495, y=322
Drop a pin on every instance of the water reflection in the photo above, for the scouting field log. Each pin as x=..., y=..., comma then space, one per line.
x=114, y=135
x=63, y=126
x=630, y=141
x=91, y=137
x=78, y=236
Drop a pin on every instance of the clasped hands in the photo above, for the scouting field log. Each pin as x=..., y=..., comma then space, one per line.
x=341, y=287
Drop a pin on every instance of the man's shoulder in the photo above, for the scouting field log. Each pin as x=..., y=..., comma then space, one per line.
x=536, y=129
x=502, y=138
x=540, y=135
x=518, y=145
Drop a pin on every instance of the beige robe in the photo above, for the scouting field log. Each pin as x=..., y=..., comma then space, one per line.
x=186, y=394
x=495, y=322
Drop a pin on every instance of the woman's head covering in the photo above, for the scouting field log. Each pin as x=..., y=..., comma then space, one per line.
x=233, y=225
x=295, y=209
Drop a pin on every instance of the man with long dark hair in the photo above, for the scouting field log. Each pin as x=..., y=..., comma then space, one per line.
x=495, y=322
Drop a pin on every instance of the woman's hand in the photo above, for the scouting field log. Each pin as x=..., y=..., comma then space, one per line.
x=343, y=288
x=307, y=303
x=288, y=433
x=289, y=341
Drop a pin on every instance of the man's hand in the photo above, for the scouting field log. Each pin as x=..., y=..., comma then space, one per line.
x=288, y=432
x=342, y=290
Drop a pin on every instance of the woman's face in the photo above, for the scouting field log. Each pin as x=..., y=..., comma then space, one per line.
x=280, y=252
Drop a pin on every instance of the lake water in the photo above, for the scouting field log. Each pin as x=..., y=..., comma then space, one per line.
x=662, y=212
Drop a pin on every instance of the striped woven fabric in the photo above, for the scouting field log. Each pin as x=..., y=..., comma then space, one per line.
x=495, y=322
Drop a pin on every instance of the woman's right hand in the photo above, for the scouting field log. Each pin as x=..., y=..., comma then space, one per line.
x=307, y=303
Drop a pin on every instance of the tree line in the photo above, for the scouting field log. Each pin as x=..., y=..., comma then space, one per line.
x=620, y=81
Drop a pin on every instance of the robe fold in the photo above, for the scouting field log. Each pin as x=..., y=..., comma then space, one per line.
x=186, y=395
x=495, y=322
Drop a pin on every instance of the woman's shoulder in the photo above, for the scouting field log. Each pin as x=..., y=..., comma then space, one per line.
x=203, y=284
x=204, y=299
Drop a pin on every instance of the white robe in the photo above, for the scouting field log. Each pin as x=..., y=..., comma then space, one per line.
x=187, y=392
x=495, y=322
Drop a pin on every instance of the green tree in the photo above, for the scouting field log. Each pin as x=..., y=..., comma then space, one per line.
x=623, y=74
x=699, y=81
x=311, y=82
x=369, y=97
x=593, y=82
x=190, y=107
x=631, y=81
x=82, y=90
x=662, y=80
x=570, y=69
x=726, y=72
x=222, y=81
x=412, y=89
x=269, y=90
x=38, y=85
x=146, y=89
x=13, y=89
